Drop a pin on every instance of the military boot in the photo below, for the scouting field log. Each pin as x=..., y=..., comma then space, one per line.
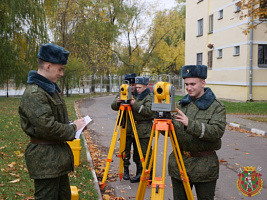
x=126, y=175
x=139, y=169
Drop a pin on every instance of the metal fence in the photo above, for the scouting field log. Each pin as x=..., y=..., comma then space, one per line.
x=103, y=84
x=99, y=84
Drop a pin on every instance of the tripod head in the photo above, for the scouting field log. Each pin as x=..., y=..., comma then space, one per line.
x=163, y=97
x=125, y=92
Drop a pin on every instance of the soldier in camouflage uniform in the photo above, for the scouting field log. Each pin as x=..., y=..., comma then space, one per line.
x=143, y=116
x=199, y=125
x=129, y=139
x=44, y=118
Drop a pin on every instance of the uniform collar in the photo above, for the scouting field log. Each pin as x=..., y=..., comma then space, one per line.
x=43, y=82
x=202, y=102
x=143, y=94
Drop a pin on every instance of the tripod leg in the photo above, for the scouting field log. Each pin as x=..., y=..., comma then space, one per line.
x=136, y=139
x=146, y=172
x=158, y=183
x=123, y=133
x=112, y=147
x=180, y=163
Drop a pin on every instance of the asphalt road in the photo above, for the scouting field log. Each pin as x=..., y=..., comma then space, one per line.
x=238, y=150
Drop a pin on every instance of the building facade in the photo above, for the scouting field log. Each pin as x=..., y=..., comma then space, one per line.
x=237, y=63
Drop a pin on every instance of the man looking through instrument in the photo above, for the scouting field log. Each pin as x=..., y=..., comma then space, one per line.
x=143, y=116
x=199, y=125
x=129, y=139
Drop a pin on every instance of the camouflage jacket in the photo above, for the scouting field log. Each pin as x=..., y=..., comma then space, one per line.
x=207, y=121
x=142, y=112
x=116, y=106
x=43, y=115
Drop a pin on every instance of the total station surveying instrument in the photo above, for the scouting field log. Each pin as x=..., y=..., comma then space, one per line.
x=125, y=112
x=163, y=104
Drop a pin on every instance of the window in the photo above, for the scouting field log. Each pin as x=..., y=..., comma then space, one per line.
x=199, y=58
x=236, y=50
x=210, y=23
x=262, y=55
x=237, y=8
x=210, y=54
x=219, y=53
x=220, y=14
x=200, y=27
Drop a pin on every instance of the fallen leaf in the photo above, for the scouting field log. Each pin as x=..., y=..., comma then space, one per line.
x=15, y=181
x=223, y=160
x=11, y=164
x=3, y=147
x=15, y=175
x=236, y=149
x=123, y=191
x=246, y=153
x=19, y=194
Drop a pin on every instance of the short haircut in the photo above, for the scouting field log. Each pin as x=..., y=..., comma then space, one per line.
x=41, y=63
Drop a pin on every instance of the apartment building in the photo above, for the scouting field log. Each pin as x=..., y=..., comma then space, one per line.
x=237, y=63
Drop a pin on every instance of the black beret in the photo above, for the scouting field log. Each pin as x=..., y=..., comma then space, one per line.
x=141, y=80
x=130, y=77
x=194, y=71
x=53, y=53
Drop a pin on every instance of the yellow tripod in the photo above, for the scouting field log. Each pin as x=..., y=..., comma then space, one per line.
x=125, y=111
x=158, y=183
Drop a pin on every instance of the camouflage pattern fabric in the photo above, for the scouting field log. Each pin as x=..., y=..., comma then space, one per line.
x=142, y=112
x=53, y=188
x=205, y=191
x=44, y=116
x=190, y=138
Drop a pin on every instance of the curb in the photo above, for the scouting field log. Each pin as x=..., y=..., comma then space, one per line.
x=253, y=130
x=89, y=159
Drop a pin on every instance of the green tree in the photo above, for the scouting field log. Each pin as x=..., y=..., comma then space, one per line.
x=22, y=29
x=168, y=42
x=87, y=29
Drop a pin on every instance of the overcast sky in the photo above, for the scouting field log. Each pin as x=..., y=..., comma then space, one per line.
x=163, y=4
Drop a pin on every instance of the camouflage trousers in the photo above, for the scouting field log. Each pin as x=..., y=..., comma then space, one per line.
x=128, y=146
x=144, y=144
x=205, y=191
x=52, y=188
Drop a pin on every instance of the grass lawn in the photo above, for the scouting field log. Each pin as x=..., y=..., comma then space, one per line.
x=14, y=179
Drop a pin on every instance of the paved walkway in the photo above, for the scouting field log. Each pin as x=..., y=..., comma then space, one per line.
x=241, y=121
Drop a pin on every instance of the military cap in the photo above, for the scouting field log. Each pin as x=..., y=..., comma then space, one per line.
x=130, y=77
x=141, y=80
x=53, y=53
x=194, y=71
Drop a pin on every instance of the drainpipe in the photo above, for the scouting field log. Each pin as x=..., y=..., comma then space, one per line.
x=250, y=61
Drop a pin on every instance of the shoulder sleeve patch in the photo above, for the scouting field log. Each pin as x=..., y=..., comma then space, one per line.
x=34, y=88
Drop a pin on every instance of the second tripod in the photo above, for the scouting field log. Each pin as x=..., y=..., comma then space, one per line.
x=162, y=124
x=125, y=111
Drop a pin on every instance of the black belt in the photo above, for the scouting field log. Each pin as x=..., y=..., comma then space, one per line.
x=143, y=122
x=198, y=154
x=42, y=141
